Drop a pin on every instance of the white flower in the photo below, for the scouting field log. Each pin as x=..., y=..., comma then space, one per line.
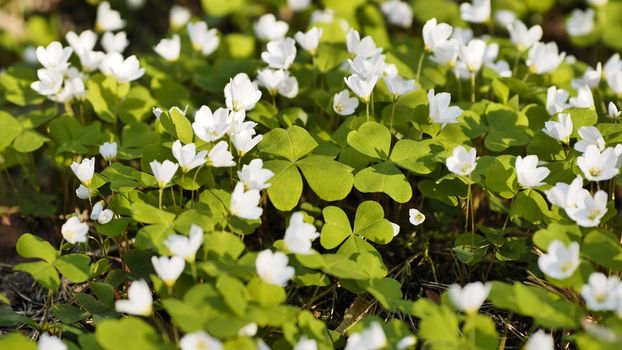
x=219, y=156
x=135, y=4
x=168, y=269
x=289, y=87
x=97, y=209
x=435, y=34
x=343, y=104
x=248, y=330
x=310, y=40
x=267, y=28
x=470, y=297
x=245, y=204
x=597, y=166
x=245, y=140
x=169, y=49
x=415, y=217
x=597, y=3
x=440, y=111
x=371, y=338
x=522, y=37
x=590, y=209
x=462, y=162
x=179, y=16
x=614, y=80
x=114, y=42
x=580, y=22
x=280, y=53
x=399, y=86
x=505, y=18
x=528, y=173
x=84, y=170
x=560, y=261
x=358, y=47
x=199, y=340
x=601, y=292
x=612, y=111
x=90, y=60
x=210, y=126
x=408, y=342
x=322, y=16
x=75, y=231
x=241, y=93
x=473, y=54
x=49, y=83
x=272, y=79
x=556, y=100
x=54, y=56
x=396, y=229
x=561, y=129
x=203, y=40
x=124, y=71
x=567, y=196
x=107, y=18
x=540, y=341
x=591, y=77
x=361, y=87
x=83, y=192
x=544, y=58
x=305, y=343
x=613, y=64
x=589, y=136
x=139, y=300
x=298, y=5
x=272, y=267
x=254, y=176
x=108, y=150
x=584, y=98
x=50, y=342
x=186, y=247
x=501, y=67
x=398, y=13
x=368, y=68
x=476, y=12
x=84, y=42
x=105, y=216
x=299, y=235
x=187, y=156
x=163, y=172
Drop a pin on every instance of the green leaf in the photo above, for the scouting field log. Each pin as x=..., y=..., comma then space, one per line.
x=439, y=325
x=369, y=222
x=372, y=139
x=11, y=128
x=603, y=248
x=265, y=294
x=234, y=293
x=145, y=213
x=286, y=184
x=29, y=141
x=329, y=179
x=16, y=341
x=127, y=333
x=42, y=272
x=10, y=318
x=581, y=117
x=529, y=205
x=74, y=266
x=136, y=106
x=330, y=55
x=183, y=127
x=221, y=8
x=31, y=246
x=414, y=156
x=15, y=84
x=291, y=144
x=336, y=227
x=387, y=291
x=386, y=178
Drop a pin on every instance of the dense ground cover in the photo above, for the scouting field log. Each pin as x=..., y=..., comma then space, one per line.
x=287, y=174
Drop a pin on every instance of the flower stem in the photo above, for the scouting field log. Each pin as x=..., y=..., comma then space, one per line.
x=367, y=109
x=421, y=57
x=181, y=190
x=472, y=87
x=160, y=197
x=392, y=116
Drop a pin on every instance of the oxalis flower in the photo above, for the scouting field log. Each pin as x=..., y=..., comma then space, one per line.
x=371, y=338
x=169, y=49
x=299, y=235
x=473, y=54
x=280, y=54
x=267, y=28
x=168, y=269
x=54, y=56
x=399, y=86
x=528, y=173
x=107, y=18
x=163, y=172
x=415, y=217
x=544, y=58
x=601, y=292
x=361, y=87
x=108, y=150
x=540, y=341
x=590, y=209
x=560, y=261
x=561, y=129
x=590, y=135
x=114, y=42
x=440, y=111
x=50, y=342
x=139, y=300
x=435, y=34
x=245, y=204
x=272, y=267
x=254, y=176
x=476, y=12
x=186, y=247
x=84, y=170
x=358, y=47
x=75, y=231
x=522, y=37
x=567, y=196
x=461, y=162
x=596, y=165
x=310, y=40
x=470, y=297
x=199, y=340
x=343, y=104
x=203, y=40
x=241, y=93
x=187, y=156
x=219, y=156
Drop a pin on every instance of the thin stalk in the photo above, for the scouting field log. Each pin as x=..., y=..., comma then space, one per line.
x=516, y=62
x=472, y=206
x=472, y=87
x=160, y=197
x=367, y=109
x=421, y=57
x=392, y=115
x=181, y=189
x=193, y=269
